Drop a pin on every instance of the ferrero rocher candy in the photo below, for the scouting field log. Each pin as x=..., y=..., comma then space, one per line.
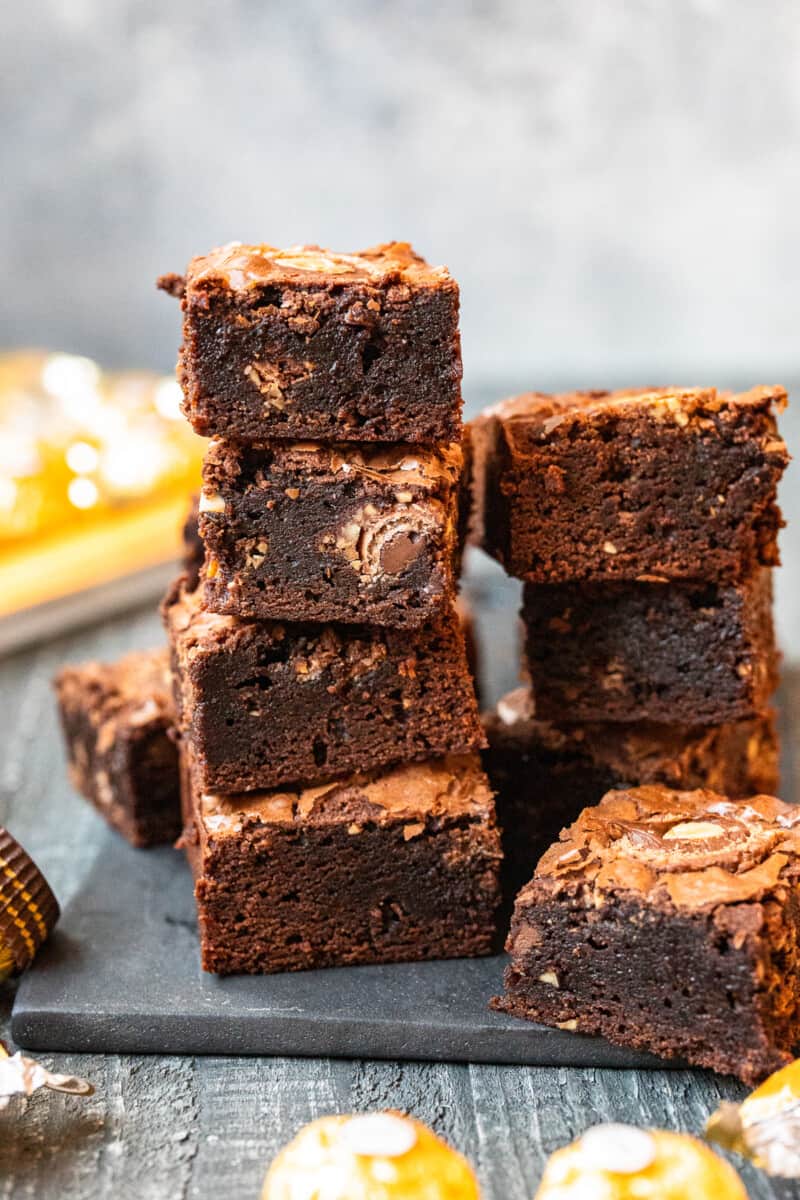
x=373, y=1156
x=620, y=1162
x=21, y=1076
x=28, y=908
x=766, y=1126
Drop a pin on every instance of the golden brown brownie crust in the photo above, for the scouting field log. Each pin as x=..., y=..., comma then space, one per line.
x=691, y=850
x=682, y=406
x=140, y=681
x=239, y=266
x=439, y=788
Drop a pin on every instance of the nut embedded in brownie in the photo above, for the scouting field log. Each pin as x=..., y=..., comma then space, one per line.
x=651, y=878
x=544, y=774
x=306, y=343
x=655, y=485
x=308, y=532
x=697, y=654
x=117, y=720
x=264, y=703
x=393, y=866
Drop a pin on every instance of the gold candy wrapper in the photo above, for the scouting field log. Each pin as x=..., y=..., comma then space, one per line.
x=21, y=1076
x=28, y=908
x=622, y=1162
x=372, y=1156
x=765, y=1127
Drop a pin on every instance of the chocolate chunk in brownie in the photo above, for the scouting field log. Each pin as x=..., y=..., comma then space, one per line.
x=305, y=532
x=668, y=921
x=263, y=703
x=698, y=654
x=117, y=720
x=544, y=774
x=305, y=343
x=654, y=485
x=393, y=866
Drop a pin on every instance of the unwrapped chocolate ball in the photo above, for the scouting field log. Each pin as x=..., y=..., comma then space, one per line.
x=28, y=908
x=621, y=1162
x=766, y=1126
x=372, y=1156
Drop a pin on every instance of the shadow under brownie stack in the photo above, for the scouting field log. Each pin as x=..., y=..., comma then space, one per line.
x=335, y=808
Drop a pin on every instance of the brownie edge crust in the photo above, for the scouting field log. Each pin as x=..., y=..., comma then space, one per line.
x=393, y=866
x=668, y=921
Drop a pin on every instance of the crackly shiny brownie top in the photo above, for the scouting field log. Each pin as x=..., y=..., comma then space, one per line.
x=241, y=267
x=398, y=465
x=138, y=685
x=681, y=406
x=453, y=786
x=690, y=850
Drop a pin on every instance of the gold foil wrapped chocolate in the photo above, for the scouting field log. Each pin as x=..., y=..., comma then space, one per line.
x=765, y=1127
x=370, y=1156
x=21, y=1076
x=621, y=1162
x=28, y=908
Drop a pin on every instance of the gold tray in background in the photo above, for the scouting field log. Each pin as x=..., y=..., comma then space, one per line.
x=80, y=576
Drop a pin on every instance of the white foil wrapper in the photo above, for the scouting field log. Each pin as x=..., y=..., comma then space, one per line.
x=22, y=1076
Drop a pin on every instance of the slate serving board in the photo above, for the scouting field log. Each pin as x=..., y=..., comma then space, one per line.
x=122, y=974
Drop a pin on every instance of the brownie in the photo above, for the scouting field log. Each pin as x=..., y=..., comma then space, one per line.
x=466, y=619
x=117, y=720
x=668, y=921
x=544, y=774
x=305, y=532
x=305, y=343
x=193, y=549
x=700, y=654
x=651, y=485
x=377, y=867
x=263, y=703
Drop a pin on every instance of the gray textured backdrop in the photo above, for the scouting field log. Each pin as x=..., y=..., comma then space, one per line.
x=615, y=184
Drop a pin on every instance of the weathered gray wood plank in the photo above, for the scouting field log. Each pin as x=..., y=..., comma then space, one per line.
x=172, y=1127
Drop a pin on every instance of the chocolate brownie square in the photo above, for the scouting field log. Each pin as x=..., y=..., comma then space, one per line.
x=305, y=343
x=668, y=921
x=544, y=774
x=699, y=654
x=118, y=720
x=305, y=532
x=676, y=483
x=393, y=866
x=263, y=703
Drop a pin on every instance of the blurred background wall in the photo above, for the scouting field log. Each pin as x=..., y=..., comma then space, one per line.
x=616, y=185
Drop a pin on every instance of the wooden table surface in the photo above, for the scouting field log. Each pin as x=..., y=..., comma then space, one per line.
x=166, y=1127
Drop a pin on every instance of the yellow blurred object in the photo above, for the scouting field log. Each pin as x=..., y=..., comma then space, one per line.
x=87, y=455
x=765, y=1127
x=621, y=1162
x=374, y=1156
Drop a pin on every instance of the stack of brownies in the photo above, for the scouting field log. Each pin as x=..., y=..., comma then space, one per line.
x=644, y=525
x=335, y=809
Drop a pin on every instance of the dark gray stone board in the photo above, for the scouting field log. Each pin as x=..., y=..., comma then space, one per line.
x=122, y=975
